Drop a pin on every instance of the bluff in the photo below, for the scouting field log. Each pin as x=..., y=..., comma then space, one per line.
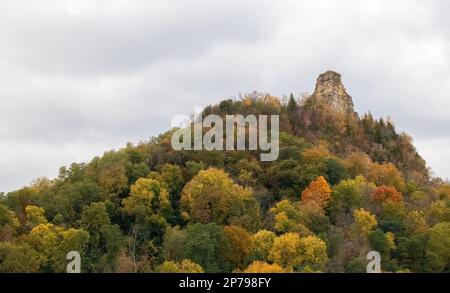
x=329, y=89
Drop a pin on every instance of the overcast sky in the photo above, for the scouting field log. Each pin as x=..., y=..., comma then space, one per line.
x=81, y=77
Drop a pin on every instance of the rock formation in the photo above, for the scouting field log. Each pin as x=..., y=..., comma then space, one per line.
x=330, y=90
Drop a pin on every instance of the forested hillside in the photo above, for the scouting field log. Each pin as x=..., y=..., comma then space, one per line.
x=344, y=184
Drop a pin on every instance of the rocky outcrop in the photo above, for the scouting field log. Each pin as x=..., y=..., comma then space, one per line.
x=330, y=90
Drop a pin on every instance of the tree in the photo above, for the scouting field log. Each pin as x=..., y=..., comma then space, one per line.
x=313, y=253
x=261, y=267
x=385, y=194
x=9, y=223
x=438, y=248
x=287, y=218
x=114, y=180
x=147, y=197
x=113, y=241
x=173, y=244
x=53, y=243
x=19, y=258
x=381, y=243
x=171, y=174
x=386, y=174
x=291, y=251
x=240, y=243
x=415, y=223
x=94, y=217
x=285, y=250
x=318, y=191
x=193, y=167
x=364, y=223
x=411, y=252
x=35, y=216
x=347, y=196
x=262, y=242
x=439, y=211
x=207, y=245
x=185, y=266
x=212, y=196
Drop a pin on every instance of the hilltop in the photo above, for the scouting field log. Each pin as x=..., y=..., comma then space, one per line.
x=343, y=184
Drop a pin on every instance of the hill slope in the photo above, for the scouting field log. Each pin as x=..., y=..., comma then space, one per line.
x=343, y=185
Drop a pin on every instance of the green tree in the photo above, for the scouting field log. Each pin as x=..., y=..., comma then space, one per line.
x=438, y=248
x=207, y=245
x=19, y=258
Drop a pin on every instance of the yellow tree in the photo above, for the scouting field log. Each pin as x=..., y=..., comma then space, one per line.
x=291, y=251
x=185, y=266
x=53, y=243
x=288, y=218
x=147, y=197
x=313, y=252
x=262, y=242
x=212, y=196
x=261, y=267
x=35, y=216
x=285, y=250
x=364, y=223
x=318, y=191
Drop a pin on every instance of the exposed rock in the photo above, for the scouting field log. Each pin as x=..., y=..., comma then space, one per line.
x=329, y=89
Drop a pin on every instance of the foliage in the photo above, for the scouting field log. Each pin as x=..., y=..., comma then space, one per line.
x=212, y=196
x=185, y=266
x=258, y=267
x=343, y=185
x=318, y=191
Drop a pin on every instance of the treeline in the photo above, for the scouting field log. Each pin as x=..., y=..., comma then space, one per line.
x=343, y=185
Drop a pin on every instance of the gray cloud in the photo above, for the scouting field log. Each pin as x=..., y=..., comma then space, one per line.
x=72, y=86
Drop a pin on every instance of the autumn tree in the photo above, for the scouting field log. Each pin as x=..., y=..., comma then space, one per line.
x=9, y=223
x=313, y=253
x=261, y=267
x=212, y=196
x=318, y=191
x=348, y=195
x=147, y=197
x=386, y=193
x=438, y=248
x=291, y=251
x=19, y=258
x=240, y=243
x=262, y=242
x=35, y=216
x=114, y=180
x=364, y=223
x=415, y=223
x=287, y=218
x=285, y=250
x=185, y=266
x=53, y=244
x=173, y=177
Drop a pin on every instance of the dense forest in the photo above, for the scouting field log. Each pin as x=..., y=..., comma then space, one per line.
x=344, y=184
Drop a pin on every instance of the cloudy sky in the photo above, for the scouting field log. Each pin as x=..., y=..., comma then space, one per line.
x=81, y=77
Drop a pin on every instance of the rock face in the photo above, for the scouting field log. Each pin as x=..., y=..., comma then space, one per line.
x=329, y=89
